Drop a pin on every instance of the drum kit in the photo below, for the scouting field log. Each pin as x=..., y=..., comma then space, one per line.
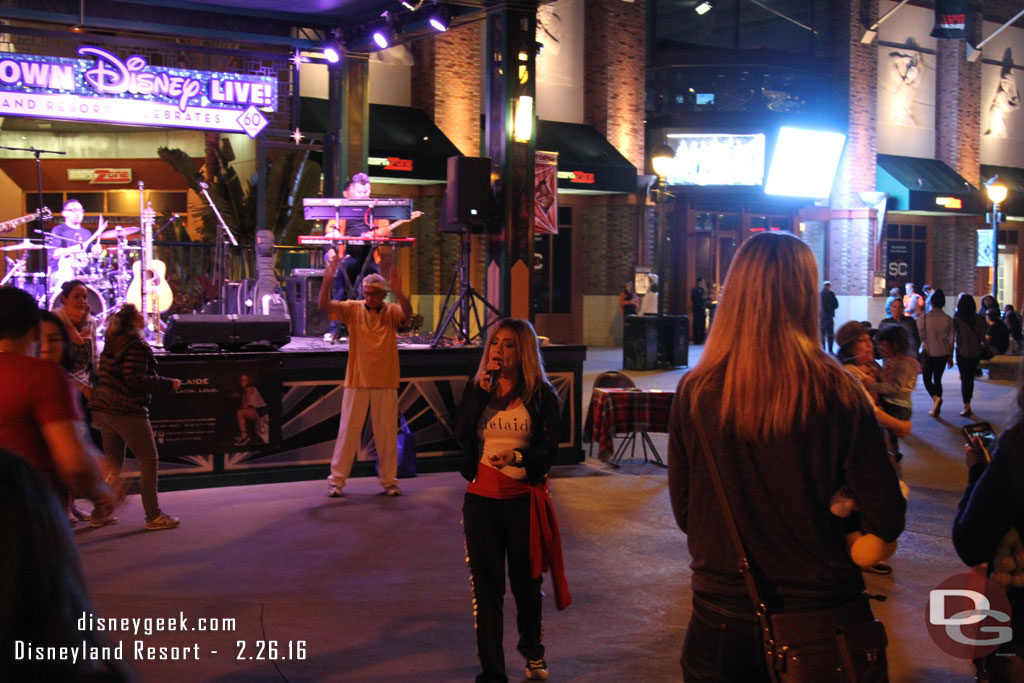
x=106, y=274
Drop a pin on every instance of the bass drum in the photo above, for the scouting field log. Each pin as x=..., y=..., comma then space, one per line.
x=97, y=305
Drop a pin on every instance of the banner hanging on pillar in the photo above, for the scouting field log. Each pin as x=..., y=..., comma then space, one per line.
x=950, y=19
x=545, y=203
x=985, y=255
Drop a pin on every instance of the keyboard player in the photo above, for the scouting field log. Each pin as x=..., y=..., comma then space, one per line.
x=358, y=260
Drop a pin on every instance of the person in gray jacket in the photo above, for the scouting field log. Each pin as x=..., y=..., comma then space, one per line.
x=936, y=331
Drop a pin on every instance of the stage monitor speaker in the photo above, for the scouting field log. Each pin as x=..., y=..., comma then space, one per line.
x=229, y=332
x=468, y=197
x=307, y=318
x=264, y=331
x=198, y=329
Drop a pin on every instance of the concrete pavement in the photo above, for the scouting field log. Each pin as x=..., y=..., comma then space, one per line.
x=376, y=589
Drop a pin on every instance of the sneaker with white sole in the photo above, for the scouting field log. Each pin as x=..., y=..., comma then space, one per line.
x=334, y=491
x=162, y=521
x=392, y=490
x=537, y=670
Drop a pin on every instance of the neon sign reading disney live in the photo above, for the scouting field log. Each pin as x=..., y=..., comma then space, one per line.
x=103, y=87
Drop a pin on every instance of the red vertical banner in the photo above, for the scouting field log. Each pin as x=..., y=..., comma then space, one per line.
x=545, y=206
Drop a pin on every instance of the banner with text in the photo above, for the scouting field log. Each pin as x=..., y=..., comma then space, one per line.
x=102, y=87
x=220, y=407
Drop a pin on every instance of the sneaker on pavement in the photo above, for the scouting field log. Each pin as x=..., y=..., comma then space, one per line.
x=537, y=670
x=328, y=336
x=392, y=490
x=334, y=491
x=97, y=521
x=162, y=521
x=78, y=513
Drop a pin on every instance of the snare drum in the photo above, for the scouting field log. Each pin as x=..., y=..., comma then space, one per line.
x=97, y=305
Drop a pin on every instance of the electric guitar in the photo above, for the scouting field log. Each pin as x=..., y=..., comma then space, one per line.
x=42, y=214
x=150, y=294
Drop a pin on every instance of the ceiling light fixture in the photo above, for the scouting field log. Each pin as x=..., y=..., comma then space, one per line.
x=703, y=8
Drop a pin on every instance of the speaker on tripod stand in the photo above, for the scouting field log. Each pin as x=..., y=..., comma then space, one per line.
x=467, y=209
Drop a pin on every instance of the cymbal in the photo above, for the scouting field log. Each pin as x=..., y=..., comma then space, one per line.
x=25, y=244
x=119, y=232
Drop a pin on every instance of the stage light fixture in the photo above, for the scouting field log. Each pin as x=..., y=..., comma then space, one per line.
x=703, y=8
x=438, y=21
x=332, y=54
x=380, y=38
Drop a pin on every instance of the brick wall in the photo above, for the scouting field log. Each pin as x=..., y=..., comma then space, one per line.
x=954, y=241
x=446, y=83
x=609, y=247
x=613, y=100
x=954, y=252
x=958, y=105
x=856, y=76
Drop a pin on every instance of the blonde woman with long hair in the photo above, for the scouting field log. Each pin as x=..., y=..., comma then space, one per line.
x=508, y=425
x=787, y=427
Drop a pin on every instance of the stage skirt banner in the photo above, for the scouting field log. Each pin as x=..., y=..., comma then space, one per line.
x=545, y=202
x=220, y=407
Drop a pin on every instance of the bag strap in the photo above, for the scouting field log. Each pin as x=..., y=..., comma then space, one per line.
x=743, y=563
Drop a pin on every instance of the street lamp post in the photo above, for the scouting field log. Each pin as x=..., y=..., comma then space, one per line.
x=662, y=159
x=996, y=193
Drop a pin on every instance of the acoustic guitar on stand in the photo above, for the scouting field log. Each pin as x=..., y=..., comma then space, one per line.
x=153, y=288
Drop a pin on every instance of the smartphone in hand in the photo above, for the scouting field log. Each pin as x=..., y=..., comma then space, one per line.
x=985, y=432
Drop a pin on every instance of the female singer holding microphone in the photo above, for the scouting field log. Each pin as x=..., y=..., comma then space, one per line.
x=508, y=426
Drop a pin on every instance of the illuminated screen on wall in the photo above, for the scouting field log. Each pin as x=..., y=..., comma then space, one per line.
x=717, y=159
x=804, y=163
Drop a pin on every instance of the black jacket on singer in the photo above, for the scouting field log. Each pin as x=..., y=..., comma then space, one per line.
x=545, y=414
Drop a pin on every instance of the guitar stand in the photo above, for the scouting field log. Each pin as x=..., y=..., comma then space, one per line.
x=458, y=313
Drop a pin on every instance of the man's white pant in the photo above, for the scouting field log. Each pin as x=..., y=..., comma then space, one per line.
x=383, y=407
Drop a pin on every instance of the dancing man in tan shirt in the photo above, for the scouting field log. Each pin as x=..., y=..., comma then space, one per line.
x=371, y=376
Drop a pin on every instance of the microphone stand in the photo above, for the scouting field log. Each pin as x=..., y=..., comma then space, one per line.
x=39, y=183
x=220, y=250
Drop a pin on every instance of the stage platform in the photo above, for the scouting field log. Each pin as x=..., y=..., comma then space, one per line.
x=200, y=441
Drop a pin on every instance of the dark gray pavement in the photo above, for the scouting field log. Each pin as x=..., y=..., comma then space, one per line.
x=376, y=589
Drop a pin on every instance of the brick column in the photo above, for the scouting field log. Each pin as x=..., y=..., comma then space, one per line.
x=614, y=78
x=851, y=240
x=958, y=143
x=446, y=83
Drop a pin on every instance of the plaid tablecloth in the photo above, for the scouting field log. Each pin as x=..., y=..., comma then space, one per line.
x=622, y=411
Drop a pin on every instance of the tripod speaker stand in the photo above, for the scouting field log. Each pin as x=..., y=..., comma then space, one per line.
x=465, y=303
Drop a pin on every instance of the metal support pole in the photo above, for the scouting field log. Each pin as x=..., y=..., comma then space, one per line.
x=995, y=251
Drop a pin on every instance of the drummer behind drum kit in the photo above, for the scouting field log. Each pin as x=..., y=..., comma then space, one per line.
x=107, y=275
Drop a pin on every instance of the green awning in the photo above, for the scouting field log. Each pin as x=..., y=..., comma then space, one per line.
x=1013, y=179
x=404, y=142
x=586, y=160
x=926, y=186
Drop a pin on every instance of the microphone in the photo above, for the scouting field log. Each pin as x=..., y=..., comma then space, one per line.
x=174, y=217
x=493, y=376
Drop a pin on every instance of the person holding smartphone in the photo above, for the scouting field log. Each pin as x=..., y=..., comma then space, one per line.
x=990, y=507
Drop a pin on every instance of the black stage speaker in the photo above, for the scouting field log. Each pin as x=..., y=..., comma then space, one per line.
x=468, y=198
x=640, y=342
x=307, y=319
x=230, y=332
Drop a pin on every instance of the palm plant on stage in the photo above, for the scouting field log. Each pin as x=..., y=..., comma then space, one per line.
x=290, y=177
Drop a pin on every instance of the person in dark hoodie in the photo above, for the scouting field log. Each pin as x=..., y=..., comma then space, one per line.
x=120, y=401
